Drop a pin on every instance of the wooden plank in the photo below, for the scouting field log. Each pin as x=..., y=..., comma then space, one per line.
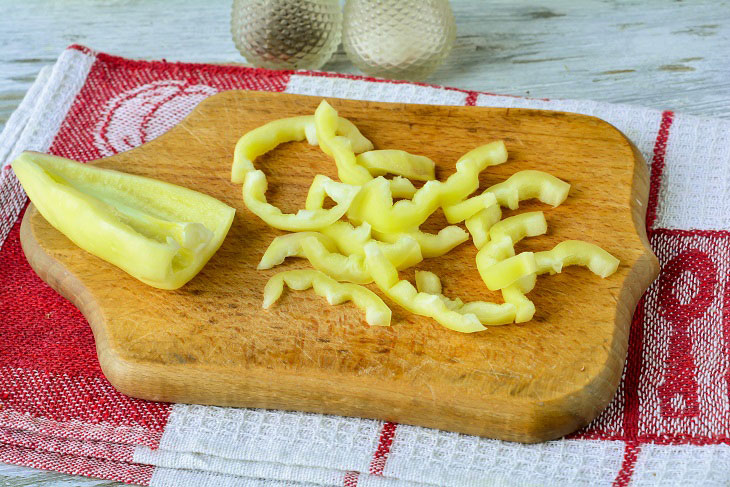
x=211, y=343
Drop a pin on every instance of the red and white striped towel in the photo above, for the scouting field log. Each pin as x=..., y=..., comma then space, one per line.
x=668, y=424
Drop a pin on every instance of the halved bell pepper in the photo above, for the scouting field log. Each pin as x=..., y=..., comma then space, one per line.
x=377, y=312
x=265, y=138
x=160, y=233
x=398, y=162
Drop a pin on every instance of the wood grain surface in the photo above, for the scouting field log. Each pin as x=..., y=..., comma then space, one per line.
x=211, y=343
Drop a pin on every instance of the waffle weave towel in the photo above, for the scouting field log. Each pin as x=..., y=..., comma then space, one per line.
x=669, y=423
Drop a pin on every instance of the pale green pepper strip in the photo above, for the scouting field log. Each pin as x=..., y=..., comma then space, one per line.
x=375, y=204
x=576, y=252
x=524, y=307
x=265, y=138
x=525, y=185
x=432, y=245
x=520, y=186
x=290, y=245
x=465, y=209
x=505, y=234
x=377, y=312
x=157, y=232
x=385, y=276
x=480, y=224
x=398, y=162
x=502, y=274
x=399, y=187
x=351, y=268
x=254, y=196
x=349, y=240
x=492, y=314
x=338, y=147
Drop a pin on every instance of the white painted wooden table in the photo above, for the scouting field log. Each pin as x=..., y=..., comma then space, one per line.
x=661, y=54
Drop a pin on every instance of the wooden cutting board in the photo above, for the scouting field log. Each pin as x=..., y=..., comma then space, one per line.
x=211, y=343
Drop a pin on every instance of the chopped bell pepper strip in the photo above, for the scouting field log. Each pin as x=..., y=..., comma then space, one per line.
x=385, y=276
x=159, y=233
x=576, y=252
x=375, y=204
x=377, y=312
x=351, y=268
x=254, y=196
x=265, y=138
x=401, y=187
x=348, y=239
x=290, y=245
x=525, y=185
x=480, y=224
x=428, y=282
x=492, y=314
x=465, y=209
x=524, y=307
x=506, y=233
x=432, y=245
x=398, y=162
x=338, y=147
x=503, y=273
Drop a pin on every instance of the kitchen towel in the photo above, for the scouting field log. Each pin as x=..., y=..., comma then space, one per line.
x=669, y=422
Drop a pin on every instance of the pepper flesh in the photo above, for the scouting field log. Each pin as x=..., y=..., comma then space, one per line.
x=160, y=233
x=351, y=268
x=505, y=234
x=492, y=314
x=254, y=196
x=398, y=162
x=385, y=276
x=576, y=252
x=432, y=245
x=375, y=204
x=338, y=147
x=290, y=245
x=377, y=312
x=480, y=224
x=265, y=138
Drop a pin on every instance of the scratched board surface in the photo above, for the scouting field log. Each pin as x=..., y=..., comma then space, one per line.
x=210, y=342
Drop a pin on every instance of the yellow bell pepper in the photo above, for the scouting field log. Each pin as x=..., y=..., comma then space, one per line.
x=503, y=273
x=466, y=209
x=398, y=162
x=506, y=233
x=576, y=252
x=160, y=233
x=525, y=185
x=520, y=186
x=492, y=314
x=432, y=245
x=375, y=204
x=524, y=307
x=254, y=196
x=480, y=224
x=261, y=140
x=351, y=268
x=338, y=147
x=385, y=276
x=377, y=312
x=290, y=245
